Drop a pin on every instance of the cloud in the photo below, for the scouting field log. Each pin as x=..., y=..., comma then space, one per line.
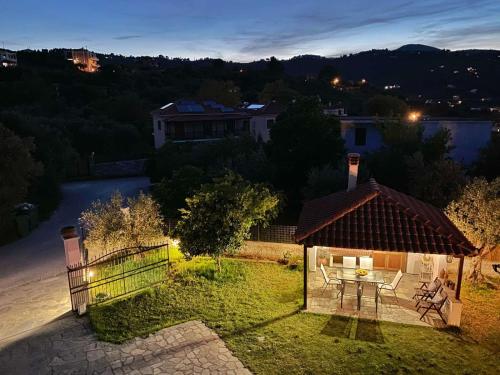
x=319, y=25
x=127, y=37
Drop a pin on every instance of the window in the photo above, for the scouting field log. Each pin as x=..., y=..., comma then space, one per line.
x=159, y=125
x=360, y=136
x=270, y=123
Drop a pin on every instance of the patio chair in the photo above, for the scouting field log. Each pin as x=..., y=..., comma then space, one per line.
x=436, y=303
x=330, y=281
x=366, y=263
x=425, y=293
x=391, y=287
x=349, y=262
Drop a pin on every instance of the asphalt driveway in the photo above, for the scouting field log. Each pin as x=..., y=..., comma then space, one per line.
x=33, y=280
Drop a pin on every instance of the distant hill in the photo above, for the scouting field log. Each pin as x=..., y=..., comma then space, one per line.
x=417, y=48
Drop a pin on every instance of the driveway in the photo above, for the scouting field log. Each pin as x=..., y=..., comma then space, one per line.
x=41, y=254
x=33, y=280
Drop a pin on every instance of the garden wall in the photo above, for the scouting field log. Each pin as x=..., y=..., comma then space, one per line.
x=269, y=250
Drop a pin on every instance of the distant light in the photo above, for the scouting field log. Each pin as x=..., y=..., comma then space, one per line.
x=91, y=273
x=414, y=116
x=335, y=81
x=363, y=81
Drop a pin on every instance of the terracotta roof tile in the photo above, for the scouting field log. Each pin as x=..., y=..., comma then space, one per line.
x=375, y=217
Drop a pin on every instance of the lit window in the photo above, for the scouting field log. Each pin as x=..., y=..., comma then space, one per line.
x=360, y=136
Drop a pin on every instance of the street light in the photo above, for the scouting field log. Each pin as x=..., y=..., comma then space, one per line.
x=414, y=116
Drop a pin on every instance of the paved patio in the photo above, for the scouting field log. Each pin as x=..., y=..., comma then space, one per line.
x=388, y=309
x=68, y=346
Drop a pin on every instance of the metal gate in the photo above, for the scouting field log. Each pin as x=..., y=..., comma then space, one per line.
x=118, y=273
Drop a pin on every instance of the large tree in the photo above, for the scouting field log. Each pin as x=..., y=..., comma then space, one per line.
x=303, y=138
x=17, y=169
x=112, y=225
x=219, y=216
x=225, y=92
x=477, y=214
x=277, y=91
x=386, y=106
x=438, y=182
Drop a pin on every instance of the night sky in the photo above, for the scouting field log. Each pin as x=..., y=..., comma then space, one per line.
x=247, y=30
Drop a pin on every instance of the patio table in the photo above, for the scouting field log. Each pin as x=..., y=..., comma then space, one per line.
x=373, y=277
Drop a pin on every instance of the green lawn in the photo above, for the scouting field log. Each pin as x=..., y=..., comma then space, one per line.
x=255, y=309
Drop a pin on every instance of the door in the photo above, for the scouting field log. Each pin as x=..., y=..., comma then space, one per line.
x=389, y=260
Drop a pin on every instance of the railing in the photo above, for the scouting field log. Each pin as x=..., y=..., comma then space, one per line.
x=118, y=273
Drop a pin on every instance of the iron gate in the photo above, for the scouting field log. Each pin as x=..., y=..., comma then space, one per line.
x=118, y=273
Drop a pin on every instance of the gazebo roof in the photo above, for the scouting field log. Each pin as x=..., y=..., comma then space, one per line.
x=375, y=217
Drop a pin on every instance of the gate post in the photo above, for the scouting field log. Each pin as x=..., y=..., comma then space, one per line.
x=71, y=246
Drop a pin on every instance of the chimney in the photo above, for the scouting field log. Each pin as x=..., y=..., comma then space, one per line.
x=353, y=162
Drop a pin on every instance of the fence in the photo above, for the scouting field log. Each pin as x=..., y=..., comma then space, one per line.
x=118, y=273
x=272, y=233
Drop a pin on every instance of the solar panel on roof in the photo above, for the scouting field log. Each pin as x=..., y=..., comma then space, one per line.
x=209, y=102
x=227, y=109
x=187, y=102
x=190, y=108
x=255, y=106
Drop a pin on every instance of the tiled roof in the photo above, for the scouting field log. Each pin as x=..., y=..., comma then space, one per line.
x=375, y=217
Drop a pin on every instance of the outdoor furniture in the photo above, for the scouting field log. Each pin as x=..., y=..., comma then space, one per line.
x=366, y=263
x=436, y=303
x=349, y=262
x=424, y=293
x=330, y=281
x=392, y=286
x=348, y=275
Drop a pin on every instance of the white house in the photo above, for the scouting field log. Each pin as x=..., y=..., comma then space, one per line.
x=468, y=136
x=198, y=121
x=7, y=58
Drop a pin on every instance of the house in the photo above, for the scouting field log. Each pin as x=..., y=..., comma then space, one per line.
x=86, y=61
x=195, y=121
x=468, y=136
x=263, y=118
x=386, y=229
x=8, y=58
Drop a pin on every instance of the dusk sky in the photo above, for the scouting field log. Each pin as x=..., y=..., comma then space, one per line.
x=248, y=30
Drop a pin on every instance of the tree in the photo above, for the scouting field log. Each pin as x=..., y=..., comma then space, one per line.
x=488, y=163
x=277, y=91
x=171, y=193
x=437, y=183
x=224, y=92
x=17, y=170
x=477, y=214
x=326, y=179
x=392, y=163
x=219, y=216
x=386, y=106
x=303, y=138
x=111, y=226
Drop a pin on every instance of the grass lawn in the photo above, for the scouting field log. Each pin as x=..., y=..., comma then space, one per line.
x=255, y=306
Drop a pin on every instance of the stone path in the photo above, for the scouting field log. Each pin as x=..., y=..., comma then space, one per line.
x=68, y=346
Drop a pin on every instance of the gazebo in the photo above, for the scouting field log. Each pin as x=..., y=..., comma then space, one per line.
x=372, y=218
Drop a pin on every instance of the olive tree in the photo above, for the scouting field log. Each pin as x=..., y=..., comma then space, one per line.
x=477, y=214
x=218, y=217
x=112, y=225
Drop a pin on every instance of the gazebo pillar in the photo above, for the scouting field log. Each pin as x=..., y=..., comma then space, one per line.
x=459, y=277
x=306, y=266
